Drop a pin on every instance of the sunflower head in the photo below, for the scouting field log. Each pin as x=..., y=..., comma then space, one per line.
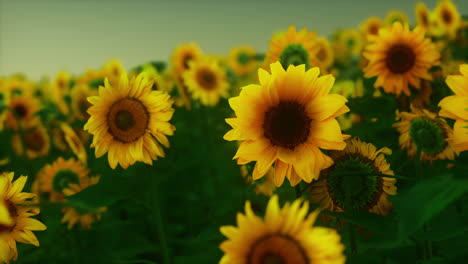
x=22, y=110
x=74, y=142
x=423, y=15
x=112, y=70
x=183, y=54
x=371, y=26
x=285, y=120
x=242, y=60
x=129, y=120
x=325, y=56
x=79, y=103
x=448, y=17
x=33, y=143
x=396, y=16
x=285, y=235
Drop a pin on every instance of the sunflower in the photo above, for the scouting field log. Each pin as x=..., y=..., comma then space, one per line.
x=352, y=41
x=399, y=57
x=338, y=190
x=286, y=235
x=74, y=142
x=60, y=88
x=71, y=216
x=92, y=78
x=371, y=26
x=421, y=129
x=112, y=70
x=396, y=16
x=184, y=99
x=456, y=107
x=18, y=225
x=448, y=17
x=53, y=178
x=33, y=143
x=79, y=103
x=182, y=55
x=285, y=120
x=129, y=120
x=293, y=48
x=423, y=15
x=22, y=110
x=324, y=54
x=242, y=60
x=206, y=80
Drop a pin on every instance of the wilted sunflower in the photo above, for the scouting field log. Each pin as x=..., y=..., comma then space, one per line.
x=426, y=131
x=396, y=16
x=293, y=48
x=423, y=15
x=324, y=55
x=285, y=120
x=206, y=80
x=72, y=216
x=53, y=178
x=286, y=235
x=448, y=17
x=182, y=55
x=18, y=225
x=129, y=121
x=339, y=190
x=399, y=58
x=242, y=60
x=33, y=142
x=456, y=107
x=371, y=26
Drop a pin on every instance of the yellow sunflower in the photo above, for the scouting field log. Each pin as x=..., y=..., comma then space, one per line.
x=399, y=58
x=129, y=121
x=423, y=15
x=285, y=235
x=34, y=142
x=22, y=110
x=74, y=142
x=184, y=99
x=293, y=48
x=396, y=16
x=324, y=54
x=371, y=26
x=182, y=55
x=426, y=131
x=79, y=103
x=92, y=78
x=456, y=107
x=72, y=216
x=352, y=41
x=242, y=60
x=285, y=120
x=53, y=178
x=448, y=17
x=112, y=70
x=338, y=190
x=61, y=88
x=17, y=225
x=206, y=80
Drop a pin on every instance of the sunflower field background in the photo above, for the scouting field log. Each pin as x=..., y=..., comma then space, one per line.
x=349, y=148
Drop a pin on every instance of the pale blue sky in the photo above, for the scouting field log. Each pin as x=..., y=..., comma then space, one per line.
x=45, y=36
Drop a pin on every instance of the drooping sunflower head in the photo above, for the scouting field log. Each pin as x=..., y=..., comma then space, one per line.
x=456, y=107
x=183, y=54
x=423, y=15
x=325, y=56
x=396, y=16
x=293, y=48
x=349, y=183
x=16, y=224
x=129, y=121
x=371, y=26
x=399, y=58
x=285, y=236
x=448, y=17
x=74, y=142
x=242, y=60
x=206, y=80
x=33, y=143
x=53, y=178
x=423, y=130
x=285, y=120
x=72, y=216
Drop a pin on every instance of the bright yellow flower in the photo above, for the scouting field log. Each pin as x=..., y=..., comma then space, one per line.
x=285, y=235
x=371, y=26
x=113, y=69
x=25, y=106
x=129, y=121
x=456, y=107
x=79, y=103
x=352, y=41
x=325, y=56
x=182, y=55
x=74, y=142
x=285, y=120
x=242, y=60
x=399, y=58
x=396, y=16
x=423, y=15
x=448, y=17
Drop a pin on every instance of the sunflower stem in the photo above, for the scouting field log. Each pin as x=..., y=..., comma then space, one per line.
x=427, y=244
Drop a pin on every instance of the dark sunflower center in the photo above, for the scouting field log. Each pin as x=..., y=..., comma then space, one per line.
x=427, y=136
x=447, y=16
x=373, y=29
x=294, y=54
x=34, y=140
x=63, y=179
x=287, y=124
x=13, y=213
x=424, y=19
x=128, y=120
x=350, y=183
x=400, y=58
x=83, y=106
x=243, y=58
x=206, y=79
x=350, y=43
x=186, y=60
x=321, y=54
x=277, y=249
x=20, y=110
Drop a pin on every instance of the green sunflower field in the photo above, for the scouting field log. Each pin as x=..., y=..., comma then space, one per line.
x=348, y=148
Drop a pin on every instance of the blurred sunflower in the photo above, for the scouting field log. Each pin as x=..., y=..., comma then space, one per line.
x=371, y=26
x=74, y=142
x=352, y=41
x=79, y=103
x=22, y=110
x=286, y=235
x=53, y=178
x=324, y=55
x=92, y=78
x=17, y=225
x=421, y=129
x=339, y=190
x=396, y=16
x=242, y=60
x=448, y=17
x=399, y=57
x=184, y=99
x=112, y=70
x=33, y=143
x=456, y=107
x=285, y=120
x=293, y=48
x=72, y=216
x=206, y=80
x=129, y=121
x=423, y=15
x=60, y=89
x=182, y=55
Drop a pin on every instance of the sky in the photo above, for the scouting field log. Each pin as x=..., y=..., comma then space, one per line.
x=43, y=37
